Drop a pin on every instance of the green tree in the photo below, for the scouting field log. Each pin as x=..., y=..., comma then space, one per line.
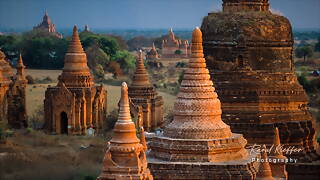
x=43, y=50
x=178, y=52
x=125, y=59
x=317, y=46
x=96, y=56
x=304, y=52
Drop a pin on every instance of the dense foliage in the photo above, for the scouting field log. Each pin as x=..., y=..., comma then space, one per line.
x=43, y=50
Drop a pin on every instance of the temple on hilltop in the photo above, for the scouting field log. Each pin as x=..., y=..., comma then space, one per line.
x=125, y=157
x=153, y=53
x=47, y=25
x=174, y=48
x=75, y=104
x=249, y=52
x=143, y=94
x=13, y=94
x=197, y=144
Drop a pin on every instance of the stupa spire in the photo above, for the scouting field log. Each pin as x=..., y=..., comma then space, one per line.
x=140, y=77
x=125, y=157
x=264, y=172
x=276, y=143
x=75, y=44
x=20, y=68
x=197, y=110
x=124, y=129
x=76, y=72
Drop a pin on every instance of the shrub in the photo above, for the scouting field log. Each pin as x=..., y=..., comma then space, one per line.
x=36, y=121
x=112, y=119
x=30, y=79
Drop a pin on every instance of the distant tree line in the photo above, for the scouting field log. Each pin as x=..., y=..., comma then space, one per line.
x=43, y=50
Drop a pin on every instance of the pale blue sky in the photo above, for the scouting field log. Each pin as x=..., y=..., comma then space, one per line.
x=114, y=14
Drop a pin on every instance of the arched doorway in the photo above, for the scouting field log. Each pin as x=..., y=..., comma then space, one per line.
x=64, y=123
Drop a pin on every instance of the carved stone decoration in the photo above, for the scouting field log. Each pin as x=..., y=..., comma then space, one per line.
x=142, y=93
x=197, y=144
x=75, y=104
x=263, y=91
x=13, y=94
x=125, y=156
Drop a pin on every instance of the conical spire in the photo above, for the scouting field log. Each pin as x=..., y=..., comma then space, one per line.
x=264, y=172
x=197, y=110
x=140, y=77
x=143, y=139
x=20, y=68
x=154, y=47
x=124, y=129
x=75, y=44
x=276, y=143
x=76, y=72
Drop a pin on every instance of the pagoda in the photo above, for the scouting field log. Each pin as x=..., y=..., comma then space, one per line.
x=153, y=53
x=174, y=48
x=197, y=144
x=142, y=93
x=249, y=52
x=12, y=94
x=47, y=25
x=125, y=156
x=17, y=111
x=75, y=104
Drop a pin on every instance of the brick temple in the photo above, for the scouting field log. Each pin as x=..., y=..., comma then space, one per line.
x=13, y=94
x=47, y=25
x=249, y=52
x=143, y=94
x=174, y=48
x=76, y=103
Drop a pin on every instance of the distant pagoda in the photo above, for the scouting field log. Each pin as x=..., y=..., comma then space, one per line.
x=142, y=93
x=47, y=25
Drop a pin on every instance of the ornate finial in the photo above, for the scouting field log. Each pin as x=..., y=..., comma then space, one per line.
x=264, y=172
x=124, y=113
x=75, y=29
x=196, y=48
x=276, y=143
x=153, y=46
x=143, y=139
x=20, y=60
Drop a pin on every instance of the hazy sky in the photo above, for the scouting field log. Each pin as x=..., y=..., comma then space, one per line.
x=123, y=14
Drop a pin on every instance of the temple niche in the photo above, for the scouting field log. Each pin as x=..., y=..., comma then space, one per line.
x=47, y=25
x=197, y=144
x=13, y=94
x=75, y=104
x=143, y=94
x=174, y=48
x=125, y=156
x=249, y=52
